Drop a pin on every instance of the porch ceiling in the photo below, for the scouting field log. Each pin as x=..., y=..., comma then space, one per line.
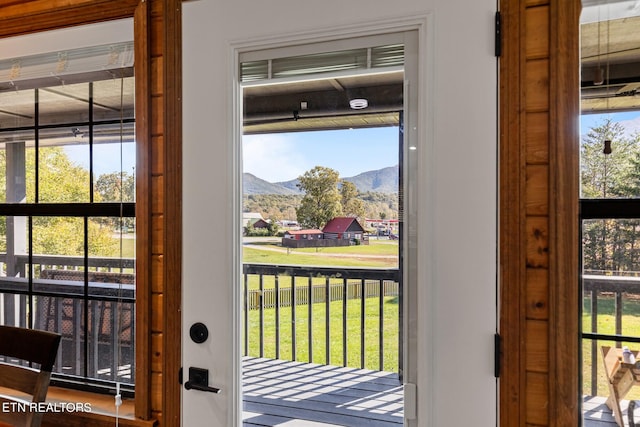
x=613, y=47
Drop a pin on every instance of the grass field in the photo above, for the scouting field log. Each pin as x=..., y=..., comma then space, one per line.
x=379, y=254
x=606, y=325
x=318, y=322
x=376, y=254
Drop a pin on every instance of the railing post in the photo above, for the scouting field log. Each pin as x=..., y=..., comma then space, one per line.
x=381, y=319
x=327, y=302
x=261, y=314
x=277, y=308
x=594, y=343
x=363, y=299
x=246, y=314
x=310, y=314
x=618, y=307
x=344, y=322
x=294, y=307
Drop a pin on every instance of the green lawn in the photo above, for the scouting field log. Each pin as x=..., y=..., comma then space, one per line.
x=378, y=255
x=606, y=325
x=318, y=322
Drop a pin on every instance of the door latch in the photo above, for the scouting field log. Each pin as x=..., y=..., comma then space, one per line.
x=199, y=380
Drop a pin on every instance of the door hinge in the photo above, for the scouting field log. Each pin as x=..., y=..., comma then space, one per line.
x=180, y=376
x=497, y=345
x=498, y=35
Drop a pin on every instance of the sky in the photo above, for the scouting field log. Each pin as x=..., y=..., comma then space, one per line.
x=630, y=121
x=286, y=156
x=106, y=157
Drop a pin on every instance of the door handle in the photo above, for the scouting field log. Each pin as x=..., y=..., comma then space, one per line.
x=191, y=386
x=199, y=380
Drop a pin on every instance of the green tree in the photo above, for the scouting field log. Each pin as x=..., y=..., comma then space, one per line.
x=321, y=201
x=61, y=181
x=116, y=187
x=609, y=245
x=351, y=205
x=602, y=175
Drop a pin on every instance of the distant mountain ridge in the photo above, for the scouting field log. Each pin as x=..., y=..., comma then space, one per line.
x=383, y=180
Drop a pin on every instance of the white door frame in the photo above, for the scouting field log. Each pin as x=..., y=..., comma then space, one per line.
x=416, y=323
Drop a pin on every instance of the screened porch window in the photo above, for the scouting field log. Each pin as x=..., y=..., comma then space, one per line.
x=67, y=207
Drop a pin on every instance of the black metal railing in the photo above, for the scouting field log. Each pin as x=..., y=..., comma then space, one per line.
x=341, y=304
x=612, y=290
x=93, y=310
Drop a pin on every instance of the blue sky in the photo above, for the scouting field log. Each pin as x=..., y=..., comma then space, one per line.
x=285, y=156
x=630, y=121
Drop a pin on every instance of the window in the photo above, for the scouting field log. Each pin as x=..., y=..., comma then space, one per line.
x=67, y=207
x=609, y=211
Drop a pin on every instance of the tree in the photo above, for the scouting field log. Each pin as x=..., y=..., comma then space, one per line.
x=116, y=187
x=603, y=175
x=351, y=205
x=609, y=245
x=321, y=201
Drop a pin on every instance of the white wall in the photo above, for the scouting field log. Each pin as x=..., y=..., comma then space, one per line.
x=458, y=216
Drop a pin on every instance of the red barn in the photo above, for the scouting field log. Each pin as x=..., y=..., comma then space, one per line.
x=343, y=228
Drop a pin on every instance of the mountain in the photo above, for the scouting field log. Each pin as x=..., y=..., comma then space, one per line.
x=383, y=180
x=251, y=184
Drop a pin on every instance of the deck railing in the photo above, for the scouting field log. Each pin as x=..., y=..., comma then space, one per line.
x=611, y=295
x=50, y=294
x=342, y=316
x=329, y=315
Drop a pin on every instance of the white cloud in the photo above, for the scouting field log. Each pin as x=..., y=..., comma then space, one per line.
x=631, y=126
x=273, y=158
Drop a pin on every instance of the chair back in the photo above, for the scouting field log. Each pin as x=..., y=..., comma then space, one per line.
x=23, y=387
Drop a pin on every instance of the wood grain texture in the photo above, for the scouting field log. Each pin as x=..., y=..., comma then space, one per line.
x=512, y=241
x=538, y=216
x=537, y=32
x=172, y=190
x=143, y=212
x=564, y=172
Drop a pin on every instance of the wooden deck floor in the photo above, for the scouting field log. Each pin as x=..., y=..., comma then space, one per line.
x=597, y=414
x=281, y=393
x=295, y=394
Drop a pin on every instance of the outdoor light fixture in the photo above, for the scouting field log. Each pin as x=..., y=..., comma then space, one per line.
x=358, y=103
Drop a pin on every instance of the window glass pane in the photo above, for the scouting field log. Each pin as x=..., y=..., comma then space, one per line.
x=63, y=159
x=17, y=108
x=64, y=104
x=16, y=165
x=114, y=98
x=611, y=247
x=609, y=157
x=64, y=315
x=13, y=269
x=610, y=295
x=112, y=288
x=114, y=160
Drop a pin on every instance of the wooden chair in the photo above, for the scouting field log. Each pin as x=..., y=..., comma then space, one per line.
x=621, y=377
x=22, y=386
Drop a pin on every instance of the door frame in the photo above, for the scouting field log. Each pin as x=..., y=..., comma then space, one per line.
x=417, y=353
x=539, y=134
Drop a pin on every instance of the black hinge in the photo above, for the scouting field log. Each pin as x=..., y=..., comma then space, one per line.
x=497, y=341
x=498, y=25
x=180, y=375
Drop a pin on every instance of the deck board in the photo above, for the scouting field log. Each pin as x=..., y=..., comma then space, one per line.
x=283, y=393
x=296, y=394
